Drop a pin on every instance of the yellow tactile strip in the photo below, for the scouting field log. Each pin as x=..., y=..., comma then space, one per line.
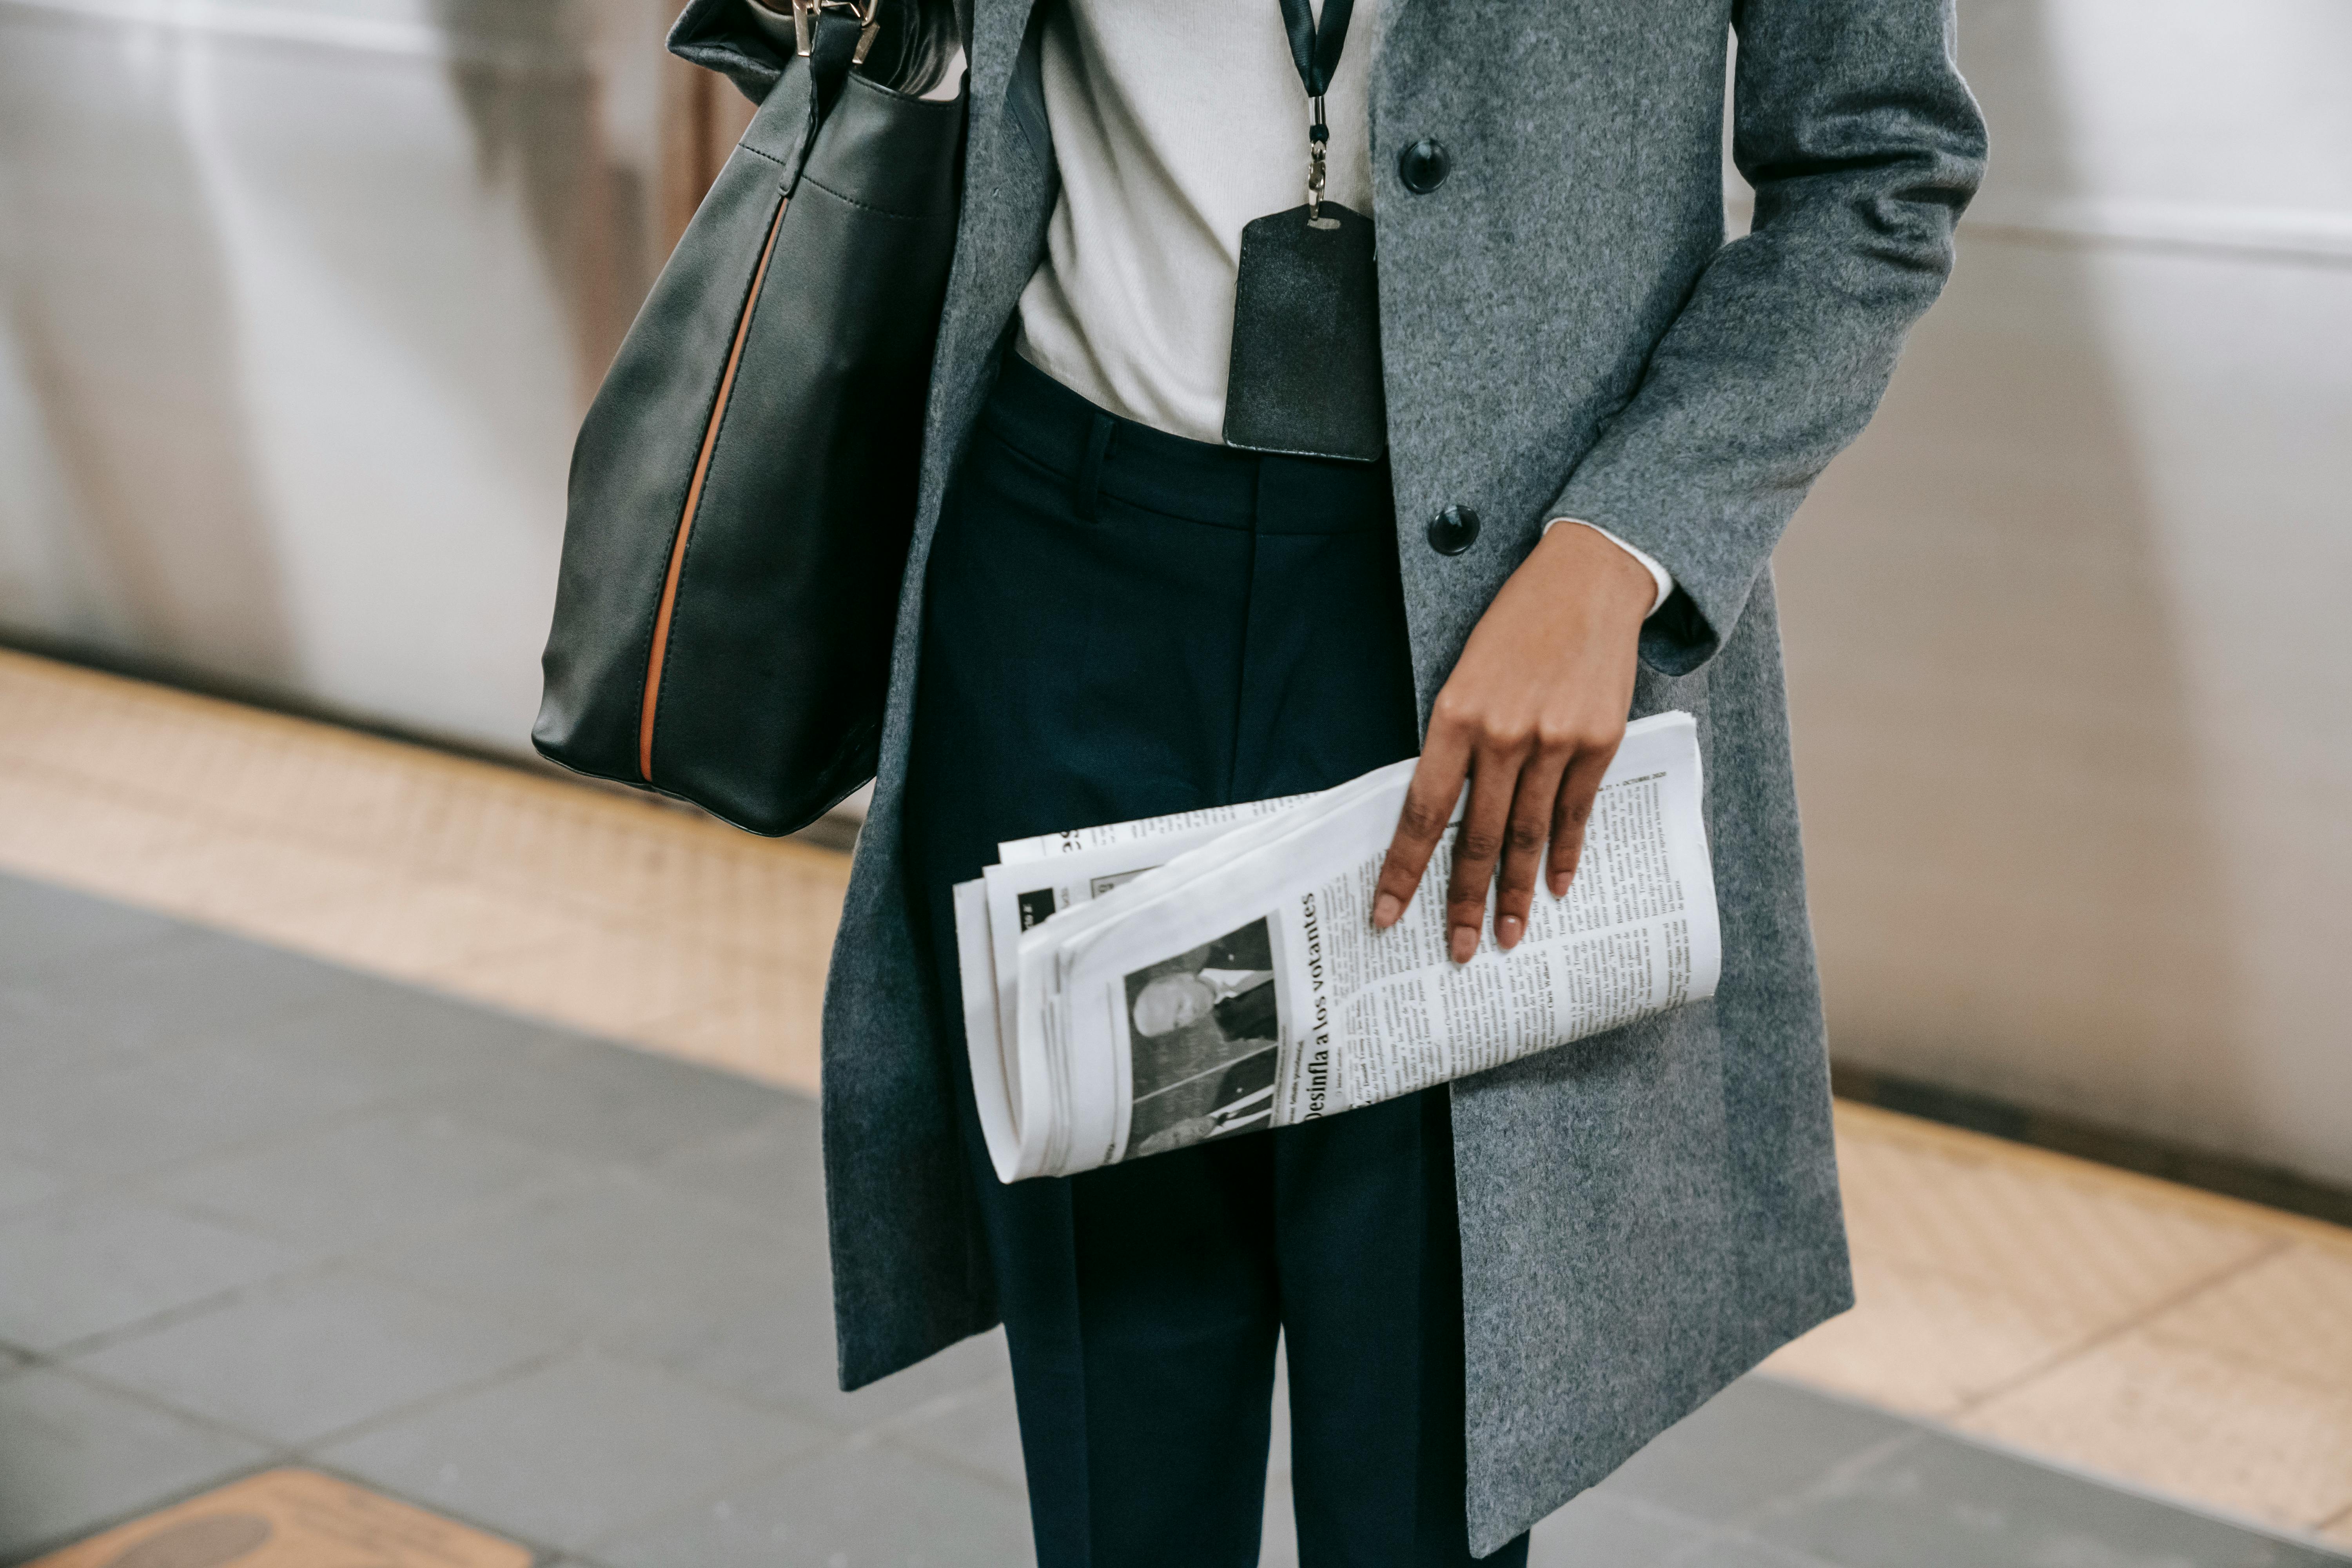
x=2196, y=1345
x=619, y=915
x=291, y=1519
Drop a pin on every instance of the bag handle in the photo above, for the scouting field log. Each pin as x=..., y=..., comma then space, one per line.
x=806, y=12
x=833, y=35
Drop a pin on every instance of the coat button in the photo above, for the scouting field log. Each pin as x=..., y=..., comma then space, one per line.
x=1454, y=530
x=1424, y=166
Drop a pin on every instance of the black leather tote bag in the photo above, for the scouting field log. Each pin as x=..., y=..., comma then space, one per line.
x=743, y=487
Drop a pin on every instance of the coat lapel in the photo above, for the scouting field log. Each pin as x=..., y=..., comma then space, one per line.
x=997, y=26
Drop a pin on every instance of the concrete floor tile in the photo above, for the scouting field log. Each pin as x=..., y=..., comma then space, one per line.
x=775, y=1165
x=82, y=1266
x=193, y=988
x=976, y=1427
x=844, y=1508
x=621, y=1257
x=768, y=1335
x=122, y=1117
x=1723, y=1551
x=73, y=1456
x=767, y=1368
x=1599, y=1531
x=1756, y=1440
x=1278, y=1541
x=355, y=1185
x=603, y=1102
x=384, y=1040
x=1941, y=1502
x=1277, y=1446
x=41, y=923
x=42, y=1044
x=2187, y=1422
x=572, y=1452
x=294, y=1363
x=729, y=1299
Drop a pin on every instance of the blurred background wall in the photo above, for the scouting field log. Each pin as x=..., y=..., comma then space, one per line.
x=303, y=297
x=2074, y=714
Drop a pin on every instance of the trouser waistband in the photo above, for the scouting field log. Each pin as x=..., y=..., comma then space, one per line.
x=1105, y=454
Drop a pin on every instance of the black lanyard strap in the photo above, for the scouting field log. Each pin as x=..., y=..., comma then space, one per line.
x=1316, y=48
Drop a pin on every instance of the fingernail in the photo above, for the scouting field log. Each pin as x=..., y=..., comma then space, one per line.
x=1385, y=909
x=1506, y=931
x=1466, y=943
x=1559, y=884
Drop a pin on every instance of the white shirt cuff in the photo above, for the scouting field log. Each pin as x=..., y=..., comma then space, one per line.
x=1658, y=574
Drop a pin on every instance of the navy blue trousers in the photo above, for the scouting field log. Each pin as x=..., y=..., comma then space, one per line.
x=1121, y=623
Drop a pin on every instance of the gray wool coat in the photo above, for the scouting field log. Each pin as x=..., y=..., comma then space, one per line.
x=1564, y=333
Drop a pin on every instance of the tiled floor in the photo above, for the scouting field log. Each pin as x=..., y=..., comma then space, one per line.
x=256, y=1211
x=2186, y=1343
x=601, y=910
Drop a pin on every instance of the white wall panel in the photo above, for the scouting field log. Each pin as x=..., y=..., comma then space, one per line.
x=302, y=302
x=2074, y=718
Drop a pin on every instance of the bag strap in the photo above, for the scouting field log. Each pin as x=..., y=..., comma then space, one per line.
x=835, y=39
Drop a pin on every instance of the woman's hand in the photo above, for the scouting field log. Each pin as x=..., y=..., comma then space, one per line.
x=1532, y=715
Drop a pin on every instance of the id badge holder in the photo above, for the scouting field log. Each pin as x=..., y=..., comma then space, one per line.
x=1305, y=377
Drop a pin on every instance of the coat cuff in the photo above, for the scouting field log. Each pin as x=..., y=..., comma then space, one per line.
x=1658, y=574
x=1684, y=629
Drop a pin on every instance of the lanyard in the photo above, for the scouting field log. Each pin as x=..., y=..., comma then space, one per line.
x=1304, y=376
x=1316, y=50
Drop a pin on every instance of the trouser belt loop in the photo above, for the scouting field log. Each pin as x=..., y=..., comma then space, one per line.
x=1085, y=488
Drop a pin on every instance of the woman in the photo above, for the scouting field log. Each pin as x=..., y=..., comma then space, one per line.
x=1488, y=1295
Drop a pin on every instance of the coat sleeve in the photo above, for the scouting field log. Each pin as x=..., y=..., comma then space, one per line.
x=1862, y=143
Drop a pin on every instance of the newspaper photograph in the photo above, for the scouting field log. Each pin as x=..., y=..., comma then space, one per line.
x=1135, y=988
x=1204, y=1029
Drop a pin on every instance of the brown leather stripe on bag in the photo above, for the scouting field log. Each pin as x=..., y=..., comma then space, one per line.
x=647, y=710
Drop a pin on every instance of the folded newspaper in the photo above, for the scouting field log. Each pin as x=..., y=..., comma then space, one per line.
x=1134, y=988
